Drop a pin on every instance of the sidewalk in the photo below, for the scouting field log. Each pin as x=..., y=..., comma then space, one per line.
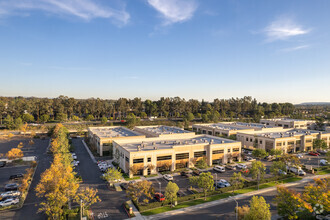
x=222, y=201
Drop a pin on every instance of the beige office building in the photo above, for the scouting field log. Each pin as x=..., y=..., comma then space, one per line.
x=229, y=128
x=288, y=140
x=289, y=123
x=146, y=156
x=102, y=137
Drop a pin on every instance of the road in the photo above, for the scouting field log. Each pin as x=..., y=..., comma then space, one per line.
x=226, y=211
x=30, y=207
x=111, y=205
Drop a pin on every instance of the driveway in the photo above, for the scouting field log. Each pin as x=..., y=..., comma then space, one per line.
x=111, y=205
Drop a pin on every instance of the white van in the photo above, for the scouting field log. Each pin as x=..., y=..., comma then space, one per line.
x=219, y=169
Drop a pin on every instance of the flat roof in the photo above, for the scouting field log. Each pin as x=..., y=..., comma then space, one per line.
x=287, y=119
x=160, y=144
x=236, y=126
x=112, y=132
x=288, y=133
x=163, y=129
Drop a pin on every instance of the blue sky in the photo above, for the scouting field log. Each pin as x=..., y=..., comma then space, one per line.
x=275, y=51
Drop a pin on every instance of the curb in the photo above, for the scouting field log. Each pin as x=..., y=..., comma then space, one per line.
x=89, y=152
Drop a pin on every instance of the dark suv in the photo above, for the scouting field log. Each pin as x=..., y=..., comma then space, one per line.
x=16, y=176
x=2, y=163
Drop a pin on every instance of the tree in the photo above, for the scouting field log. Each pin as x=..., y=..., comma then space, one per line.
x=319, y=144
x=275, y=152
x=138, y=189
x=61, y=117
x=237, y=181
x=259, y=153
x=15, y=153
x=87, y=196
x=75, y=118
x=27, y=117
x=317, y=195
x=290, y=203
x=189, y=116
x=143, y=115
x=112, y=175
x=171, y=191
x=276, y=167
x=204, y=181
x=327, y=155
x=242, y=211
x=9, y=122
x=257, y=171
x=259, y=209
x=131, y=120
x=44, y=118
x=18, y=123
x=104, y=120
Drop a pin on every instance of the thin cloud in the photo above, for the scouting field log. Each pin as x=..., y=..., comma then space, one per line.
x=83, y=9
x=283, y=29
x=174, y=11
x=291, y=49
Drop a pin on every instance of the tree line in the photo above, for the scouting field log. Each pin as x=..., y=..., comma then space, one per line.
x=65, y=108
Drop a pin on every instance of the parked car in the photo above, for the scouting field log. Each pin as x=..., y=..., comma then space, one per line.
x=10, y=193
x=300, y=156
x=225, y=182
x=219, y=185
x=220, y=169
x=186, y=174
x=168, y=177
x=74, y=156
x=244, y=171
x=11, y=187
x=321, y=151
x=3, y=163
x=241, y=166
x=313, y=153
x=159, y=197
x=8, y=202
x=196, y=172
x=124, y=186
x=323, y=162
x=16, y=176
x=75, y=163
x=231, y=167
x=281, y=172
x=248, y=158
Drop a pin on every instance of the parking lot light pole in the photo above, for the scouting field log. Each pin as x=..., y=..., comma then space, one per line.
x=318, y=160
x=160, y=187
x=236, y=206
x=216, y=182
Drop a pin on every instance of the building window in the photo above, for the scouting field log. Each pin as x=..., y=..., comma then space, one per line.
x=140, y=160
x=247, y=139
x=210, y=132
x=182, y=156
x=298, y=142
x=228, y=150
x=169, y=157
x=250, y=139
x=278, y=144
x=309, y=141
x=149, y=159
x=235, y=149
x=217, y=152
x=126, y=158
x=291, y=143
x=199, y=153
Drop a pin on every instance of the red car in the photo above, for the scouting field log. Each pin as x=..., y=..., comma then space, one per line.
x=245, y=171
x=313, y=153
x=159, y=197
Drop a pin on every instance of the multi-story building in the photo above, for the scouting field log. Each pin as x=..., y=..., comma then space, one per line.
x=289, y=123
x=162, y=131
x=288, y=140
x=229, y=128
x=149, y=155
x=102, y=137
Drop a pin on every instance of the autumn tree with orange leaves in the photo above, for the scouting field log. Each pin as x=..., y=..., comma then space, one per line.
x=15, y=153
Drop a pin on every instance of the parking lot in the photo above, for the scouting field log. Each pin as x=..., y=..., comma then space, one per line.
x=6, y=172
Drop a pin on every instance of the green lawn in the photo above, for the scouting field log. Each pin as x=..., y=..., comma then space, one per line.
x=323, y=172
x=152, y=175
x=219, y=196
x=133, y=178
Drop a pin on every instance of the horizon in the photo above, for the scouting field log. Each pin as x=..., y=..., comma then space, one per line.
x=193, y=49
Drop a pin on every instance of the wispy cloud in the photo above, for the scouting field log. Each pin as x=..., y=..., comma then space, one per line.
x=174, y=11
x=83, y=9
x=290, y=49
x=284, y=28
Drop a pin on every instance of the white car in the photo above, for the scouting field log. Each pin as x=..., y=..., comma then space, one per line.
x=10, y=193
x=75, y=163
x=219, y=169
x=300, y=156
x=168, y=177
x=241, y=166
x=225, y=182
x=281, y=172
x=9, y=202
x=323, y=162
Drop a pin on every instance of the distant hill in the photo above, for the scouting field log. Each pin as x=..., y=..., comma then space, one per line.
x=315, y=103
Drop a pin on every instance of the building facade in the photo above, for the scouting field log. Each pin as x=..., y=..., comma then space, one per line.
x=289, y=123
x=146, y=156
x=288, y=140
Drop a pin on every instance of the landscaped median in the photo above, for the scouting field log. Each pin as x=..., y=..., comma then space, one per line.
x=196, y=199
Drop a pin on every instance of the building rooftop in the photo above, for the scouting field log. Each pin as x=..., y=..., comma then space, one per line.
x=288, y=133
x=160, y=144
x=112, y=132
x=236, y=126
x=162, y=129
x=287, y=119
